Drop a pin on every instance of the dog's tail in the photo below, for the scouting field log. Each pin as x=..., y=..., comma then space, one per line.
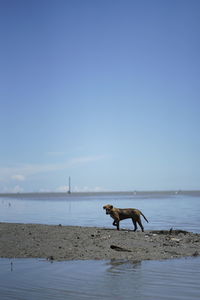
x=144, y=217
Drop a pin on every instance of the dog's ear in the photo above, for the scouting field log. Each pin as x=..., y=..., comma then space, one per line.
x=104, y=207
x=111, y=206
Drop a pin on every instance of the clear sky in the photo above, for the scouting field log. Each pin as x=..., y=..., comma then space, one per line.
x=104, y=91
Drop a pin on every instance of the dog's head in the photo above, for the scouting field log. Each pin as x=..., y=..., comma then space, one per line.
x=108, y=208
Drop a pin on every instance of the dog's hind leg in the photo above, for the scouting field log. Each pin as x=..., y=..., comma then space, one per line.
x=140, y=224
x=135, y=224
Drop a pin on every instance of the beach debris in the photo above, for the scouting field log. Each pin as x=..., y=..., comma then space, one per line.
x=97, y=235
x=196, y=253
x=178, y=231
x=50, y=258
x=105, y=237
x=117, y=248
x=175, y=240
x=171, y=231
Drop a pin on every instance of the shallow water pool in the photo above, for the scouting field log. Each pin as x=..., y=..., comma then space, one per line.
x=39, y=279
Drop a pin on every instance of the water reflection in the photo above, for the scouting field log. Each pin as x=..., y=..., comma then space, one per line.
x=124, y=279
x=115, y=279
x=118, y=266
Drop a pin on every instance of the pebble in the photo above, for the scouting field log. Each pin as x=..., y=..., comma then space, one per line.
x=196, y=253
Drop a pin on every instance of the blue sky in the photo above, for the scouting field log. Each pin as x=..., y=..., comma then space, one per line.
x=104, y=91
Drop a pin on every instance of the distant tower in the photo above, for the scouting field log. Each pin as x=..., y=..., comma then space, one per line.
x=69, y=190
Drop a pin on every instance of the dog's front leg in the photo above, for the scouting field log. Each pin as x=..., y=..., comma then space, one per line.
x=116, y=218
x=116, y=223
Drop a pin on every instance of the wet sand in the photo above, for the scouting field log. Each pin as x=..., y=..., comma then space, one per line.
x=88, y=243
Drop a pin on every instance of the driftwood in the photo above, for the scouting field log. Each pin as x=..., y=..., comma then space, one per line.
x=117, y=248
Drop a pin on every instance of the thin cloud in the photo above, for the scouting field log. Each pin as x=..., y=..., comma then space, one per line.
x=86, y=159
x=63, y=188
x=15, y=189
x=18, y=177
x=20, y=172
x=88, y=189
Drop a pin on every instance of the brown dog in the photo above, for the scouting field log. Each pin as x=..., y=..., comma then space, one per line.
x=119, y=214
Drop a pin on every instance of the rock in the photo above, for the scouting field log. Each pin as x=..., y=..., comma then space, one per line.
x=196, y=253
x=175, y=240
x=50, y=258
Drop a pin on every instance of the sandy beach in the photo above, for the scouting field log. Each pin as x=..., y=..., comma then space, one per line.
x=90, y=243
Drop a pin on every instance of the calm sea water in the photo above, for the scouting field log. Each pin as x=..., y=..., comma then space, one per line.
x=163, y=210
x=40, y=279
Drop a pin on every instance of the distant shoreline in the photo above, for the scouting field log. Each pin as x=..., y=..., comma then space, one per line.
x=57, y=242
x=131, y=193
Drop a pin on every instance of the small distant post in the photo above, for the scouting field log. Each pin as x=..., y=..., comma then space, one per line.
x=69, y=190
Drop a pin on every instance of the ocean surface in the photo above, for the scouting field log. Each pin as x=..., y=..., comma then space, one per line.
x=40, y=279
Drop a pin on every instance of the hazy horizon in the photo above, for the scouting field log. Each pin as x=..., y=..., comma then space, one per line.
x=138, y=192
